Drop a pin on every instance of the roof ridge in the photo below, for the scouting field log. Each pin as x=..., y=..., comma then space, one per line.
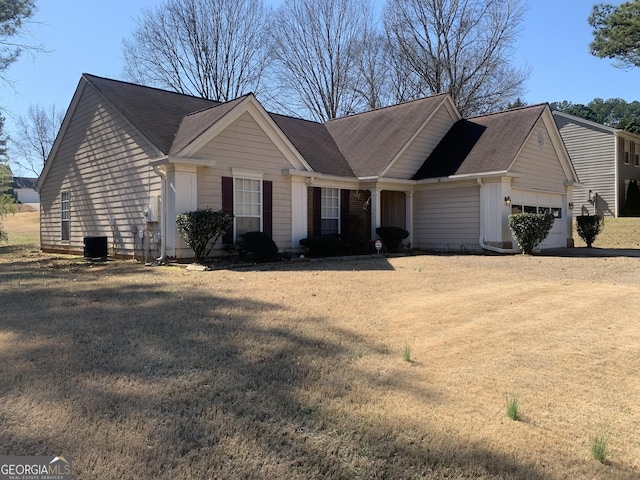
x=88, y=77
x=218, y=104
x=509, y=110
x=387, y=107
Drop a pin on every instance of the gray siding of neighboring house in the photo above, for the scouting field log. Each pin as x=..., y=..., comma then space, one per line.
x=423, y=144
x=245, y=145
x=447, y=217
x=592, y=152
x=626, y=173
x=105, y=169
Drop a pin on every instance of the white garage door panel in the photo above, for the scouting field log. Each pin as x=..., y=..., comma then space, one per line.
x=558, y=235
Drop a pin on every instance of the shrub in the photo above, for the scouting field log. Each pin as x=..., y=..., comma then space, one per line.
x=201, y=229
x=530, y=229
x=257, y=246
x=632, y=205
x=392, y=238
x=323, y=245
x=355, y=234
x=589, y=227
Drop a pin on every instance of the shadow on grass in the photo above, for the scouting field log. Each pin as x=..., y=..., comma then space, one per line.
x=144, y=378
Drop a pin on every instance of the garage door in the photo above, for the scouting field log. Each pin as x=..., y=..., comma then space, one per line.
x=536, y=202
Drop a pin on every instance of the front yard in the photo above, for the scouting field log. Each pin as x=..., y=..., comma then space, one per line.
x=301, y=371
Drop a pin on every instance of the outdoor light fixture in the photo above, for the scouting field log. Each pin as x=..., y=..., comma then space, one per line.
x=592, y=196
x=507, y=201
x=570, y=205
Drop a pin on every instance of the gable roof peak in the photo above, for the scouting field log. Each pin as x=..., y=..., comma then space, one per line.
x=388, y=107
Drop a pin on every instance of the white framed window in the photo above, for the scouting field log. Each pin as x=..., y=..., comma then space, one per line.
x=65, y=216
x=329, y=211
x=636, y=159
x=247, y=208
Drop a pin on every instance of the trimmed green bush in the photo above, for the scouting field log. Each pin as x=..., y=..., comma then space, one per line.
x=257, y=246
x=392, y=238
x=589, y=227
x=323, y=245
x=201, y=229
x=530, y=229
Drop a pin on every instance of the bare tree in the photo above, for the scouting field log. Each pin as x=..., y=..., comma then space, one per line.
x=34, y=137
x=13, y=17
x=316, y=45
x=214, y=49
x=462, y=47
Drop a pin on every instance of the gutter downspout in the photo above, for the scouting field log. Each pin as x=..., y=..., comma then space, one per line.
x=481, y=239
x=163, y=214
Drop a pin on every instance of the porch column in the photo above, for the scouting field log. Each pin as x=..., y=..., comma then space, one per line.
x=299, y=207
x=376, y=211
x=182, y=196
x=409, y=216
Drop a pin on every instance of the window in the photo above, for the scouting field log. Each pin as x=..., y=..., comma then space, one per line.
x=557, y=212
x=627, y=152
x=65, y=216
x=636, y=159
x=247, y=209
x=329, y=211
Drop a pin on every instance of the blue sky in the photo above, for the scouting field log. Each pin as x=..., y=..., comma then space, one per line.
x=86, y=37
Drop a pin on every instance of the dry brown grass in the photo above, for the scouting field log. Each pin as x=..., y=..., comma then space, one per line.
x=297, y=371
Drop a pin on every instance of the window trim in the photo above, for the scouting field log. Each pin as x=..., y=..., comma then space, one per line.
x=323, y=209
x=251, y=177
x=65, y=201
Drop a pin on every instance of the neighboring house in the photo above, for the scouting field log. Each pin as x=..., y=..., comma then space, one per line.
x=24, y=189
x=129, y=158
x=606, y=160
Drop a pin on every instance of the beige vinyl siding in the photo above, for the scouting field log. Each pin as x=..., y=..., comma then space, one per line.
x=422, y=146
x=447, y=218
x=244, y=145
x=592, y=152
x=538, y=166
x=105, y=169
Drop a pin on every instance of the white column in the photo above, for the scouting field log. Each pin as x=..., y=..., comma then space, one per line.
x=299, y=220
x=182, y=196
x=409, y=215
x=376, y=211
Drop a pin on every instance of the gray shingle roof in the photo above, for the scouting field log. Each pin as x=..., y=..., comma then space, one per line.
x=24, y=182
x=370, y=141
x=156, y=113
x=484, y=144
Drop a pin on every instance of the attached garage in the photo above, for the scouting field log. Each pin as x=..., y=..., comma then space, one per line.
x=523, y=201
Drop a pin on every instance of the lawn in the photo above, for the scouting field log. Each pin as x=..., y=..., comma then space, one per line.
x=371, y=368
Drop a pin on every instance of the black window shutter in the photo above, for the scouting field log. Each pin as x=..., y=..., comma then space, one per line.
x=227, y=205
x=344, y=210
x=267, y=207
x=316, y=211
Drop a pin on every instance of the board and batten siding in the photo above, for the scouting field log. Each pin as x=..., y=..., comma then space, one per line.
x=423, y=144
x=592, y=152
x=105, y=168
x=538, y=166
x=245, y=146
x=447, y=218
